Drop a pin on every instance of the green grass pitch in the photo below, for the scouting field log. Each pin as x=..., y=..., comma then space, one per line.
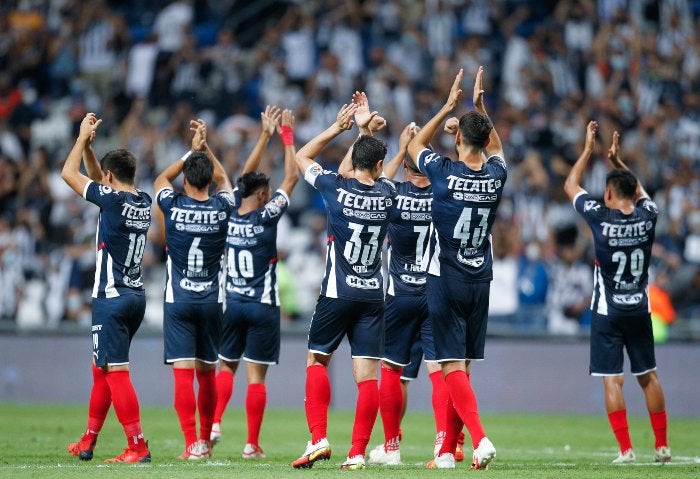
x=33, y=441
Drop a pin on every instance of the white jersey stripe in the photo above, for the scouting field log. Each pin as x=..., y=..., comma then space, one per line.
x=434, y=267
x=390, y=287
x=267, y=287
x=169, y=298
x=98, y=273
x=602, y=300
x=110, y=290
x=331, y=286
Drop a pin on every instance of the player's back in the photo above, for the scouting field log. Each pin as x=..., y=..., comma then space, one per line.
x=120, y=240
x=623, y=246
x=252, y=252
x=195, y=233
x=410, y=218
x=465, y=203
x=357, y=217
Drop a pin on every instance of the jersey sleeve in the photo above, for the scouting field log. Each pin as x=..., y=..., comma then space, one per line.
x=101, y=195
x=429, y=162
x=275, y=208
x=228, y=200
x=648, y=205
x=319, y=178
x=164, y=198
x=498, y=162
x=587, y=206
x=237, y=198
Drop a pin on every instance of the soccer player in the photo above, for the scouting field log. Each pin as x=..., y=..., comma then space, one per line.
x=466, y=195
x=352, y=297
x=195, y=237
x=118, y=297
x=251, y=326
x=623, y=227
x=408, y=333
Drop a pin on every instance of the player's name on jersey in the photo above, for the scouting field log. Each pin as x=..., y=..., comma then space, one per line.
x=625, y=286
x=196, y=273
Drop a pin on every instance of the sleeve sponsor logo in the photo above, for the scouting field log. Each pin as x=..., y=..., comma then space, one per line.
x=105, y=190
x=167, y=193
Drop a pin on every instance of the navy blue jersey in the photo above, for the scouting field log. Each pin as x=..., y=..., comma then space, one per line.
x=357, y=217
x=251, y=252
x=408, y=233
x=622, y=251
x=195, y=237
x=465, y=203
x=121, y=239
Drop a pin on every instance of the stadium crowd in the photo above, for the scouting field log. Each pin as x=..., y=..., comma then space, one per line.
x=147, y=69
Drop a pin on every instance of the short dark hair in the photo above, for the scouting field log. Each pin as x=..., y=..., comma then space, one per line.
x=622, y=182
x=251, y=182
x=475, y=128
x=199, y=170
x=121, y=163
x=367, y=152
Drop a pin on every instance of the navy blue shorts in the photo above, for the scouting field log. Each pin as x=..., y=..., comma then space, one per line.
x=251, y=331
x=459, y=313
x=362, y=321
x=114, y=323
x=192, y=331
x=611, y=334
x=410, y=372
x=405, y=320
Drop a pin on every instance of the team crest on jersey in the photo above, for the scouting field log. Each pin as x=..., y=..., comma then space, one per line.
x=105, y=190
x=591, y=205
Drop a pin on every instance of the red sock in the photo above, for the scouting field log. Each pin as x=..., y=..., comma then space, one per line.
x=659, y=423
x=100, y=400
x=126, y=405
x=255, y=410
x=440, y=398
x=206, y=401
x=365, y=415
x=318, y=398
x=224, y=391
x=185, y=403
x=453, y=426
x=390, y=402
x=464, y=401
x=618, y=422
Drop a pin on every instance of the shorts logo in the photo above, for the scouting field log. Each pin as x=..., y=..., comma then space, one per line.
x=196, y=286
x=362, y=283
x=591, y=205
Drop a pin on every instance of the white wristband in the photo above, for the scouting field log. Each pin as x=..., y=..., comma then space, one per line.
x=186, y=155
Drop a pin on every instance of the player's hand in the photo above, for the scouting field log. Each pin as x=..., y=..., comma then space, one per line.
x=287, y=119
x=363, y=115
x=591, y=130
x=614, y=151
x=409, y=131
x=378, y=123
x=455, y=92
x=88, y=127
x=478, y=97
x=452, y=125
x=199, y=139
x=344, y=119
x=270, y=119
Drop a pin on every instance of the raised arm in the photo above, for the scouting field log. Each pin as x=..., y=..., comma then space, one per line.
x=366, y=121
x=572, y=185
x=425, y=134
x=269, y=119
x=495, y=147
x=616, y=160
x=305, y=156
x=390, y=168
x=166, y=178
x=286, y=131
x=92, y=166
x=71, y=168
